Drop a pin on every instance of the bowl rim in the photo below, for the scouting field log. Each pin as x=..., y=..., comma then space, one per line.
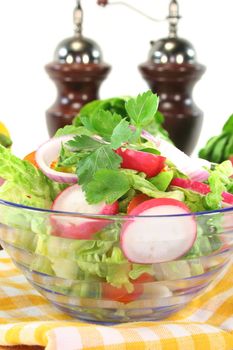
x=114, y=217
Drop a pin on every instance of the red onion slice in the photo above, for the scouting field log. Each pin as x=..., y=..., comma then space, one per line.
x=48, y=153
x=188, y=166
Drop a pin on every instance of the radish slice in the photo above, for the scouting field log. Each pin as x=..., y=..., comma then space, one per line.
x=1, y=181
x=161, y=236
x=47, y=153
x=188, y=166
x=72, y=200
x=148, y=163
x=201, y=188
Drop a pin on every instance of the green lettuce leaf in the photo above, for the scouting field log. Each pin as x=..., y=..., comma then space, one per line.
x=138, y=270
x=139, y=183
x=25, y=184
x=219, y=181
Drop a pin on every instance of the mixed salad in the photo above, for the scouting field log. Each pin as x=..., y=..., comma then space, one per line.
x=115, y=160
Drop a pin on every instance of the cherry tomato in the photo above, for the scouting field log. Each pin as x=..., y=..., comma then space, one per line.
x=148, y=163
x=136, y=201
x=31, y=157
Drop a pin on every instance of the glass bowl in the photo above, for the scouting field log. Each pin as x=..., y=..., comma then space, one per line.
x=90, y=279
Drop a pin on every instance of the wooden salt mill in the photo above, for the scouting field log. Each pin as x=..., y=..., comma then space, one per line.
x=77, y=70
x=172, y=71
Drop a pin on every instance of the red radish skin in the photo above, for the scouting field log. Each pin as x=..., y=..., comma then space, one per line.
x=148, y=163
x=195, y=186
x=157, y=237
x=72, y=200
x=201, y=188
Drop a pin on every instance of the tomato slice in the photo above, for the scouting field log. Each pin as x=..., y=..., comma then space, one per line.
x=120, y=294
x=145, y=278
x=31, y=157
x=148, y=163
x=136, y=201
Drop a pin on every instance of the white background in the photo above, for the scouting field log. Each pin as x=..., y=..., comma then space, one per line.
x=30, y=31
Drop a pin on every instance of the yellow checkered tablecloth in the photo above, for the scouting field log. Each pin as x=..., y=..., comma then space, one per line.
x=27, y=318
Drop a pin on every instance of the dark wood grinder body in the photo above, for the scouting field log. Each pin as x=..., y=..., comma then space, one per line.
x=77, y=84
x=174, y=84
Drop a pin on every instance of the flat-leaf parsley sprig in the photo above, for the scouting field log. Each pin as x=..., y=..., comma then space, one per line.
x=97, y=161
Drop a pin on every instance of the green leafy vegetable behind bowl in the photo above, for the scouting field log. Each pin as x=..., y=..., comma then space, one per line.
x=220, y=148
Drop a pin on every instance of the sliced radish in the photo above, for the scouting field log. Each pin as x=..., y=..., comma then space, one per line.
x=195, y=186
x=72, y=200
x=164, y=234
x=1, y=181
x=226, y=235
x=188, y=166
x=148, y=163
x=201, y=188
x=47, y=153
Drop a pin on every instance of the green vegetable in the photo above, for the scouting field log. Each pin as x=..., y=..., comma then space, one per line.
x=118, y=106
x=72, y=130
x=142, y=109
x=5, y=140
x=229, y=147
x=113, y=105
x=218, y=151
x=93, y=155
x=84, y=142
x=228, y=126
x=140, y=184
x=102, y=123
x=218, y=181
x=138, y=270
x=25, y=183
x=194, y=201
x=101, y=158
x=162, y=180
x=107, y=186
x=121, y=134
x=219, y=148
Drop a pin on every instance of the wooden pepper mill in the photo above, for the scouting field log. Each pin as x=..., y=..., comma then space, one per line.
x=77, y=70
x=172, y=71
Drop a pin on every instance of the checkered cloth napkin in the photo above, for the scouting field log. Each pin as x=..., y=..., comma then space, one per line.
x=27, y=318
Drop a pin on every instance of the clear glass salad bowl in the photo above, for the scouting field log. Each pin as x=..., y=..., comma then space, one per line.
x=90, y=279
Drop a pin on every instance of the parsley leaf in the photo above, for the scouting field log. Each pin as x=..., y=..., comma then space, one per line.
x=84, y=142
x=142, y=109
x=102, y=123
x=121, y=134
x=72, y=130
x=108, y=186
x=101, y=158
